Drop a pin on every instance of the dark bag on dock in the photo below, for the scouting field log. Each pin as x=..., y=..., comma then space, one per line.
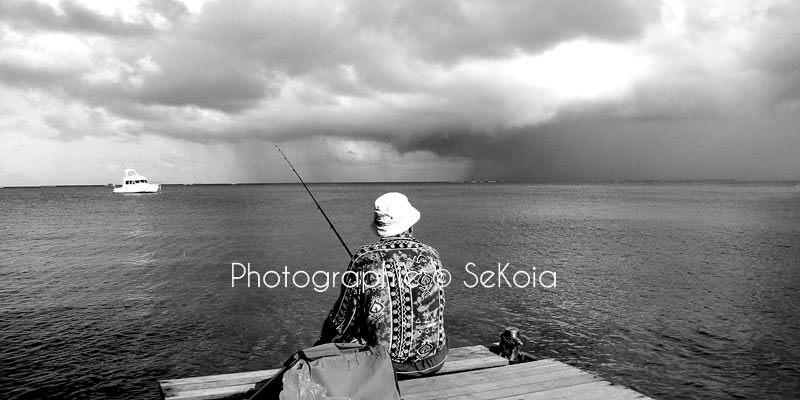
x=334, y=370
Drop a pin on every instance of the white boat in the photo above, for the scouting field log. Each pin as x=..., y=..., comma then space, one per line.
x=135, y=183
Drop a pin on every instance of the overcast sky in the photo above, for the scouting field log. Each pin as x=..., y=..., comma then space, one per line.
x=547, y=90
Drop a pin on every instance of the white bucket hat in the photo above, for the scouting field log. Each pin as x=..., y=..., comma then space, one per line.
x=394, y=214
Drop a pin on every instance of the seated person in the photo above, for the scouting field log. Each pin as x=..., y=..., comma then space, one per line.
x=397, y=299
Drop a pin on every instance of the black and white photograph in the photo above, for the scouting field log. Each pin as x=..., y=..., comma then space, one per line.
x=399, y=199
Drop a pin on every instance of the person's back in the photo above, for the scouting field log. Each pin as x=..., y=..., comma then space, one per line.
x=397, y=282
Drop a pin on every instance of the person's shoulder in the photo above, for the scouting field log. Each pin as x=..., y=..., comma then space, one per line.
x=421, y=245
x=363, y=253
x=397, y=244
x=367, y=248
x=412, y=243
x=388, y=244
x=429, y=249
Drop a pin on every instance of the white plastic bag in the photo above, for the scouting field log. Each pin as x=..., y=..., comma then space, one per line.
x=297, y=385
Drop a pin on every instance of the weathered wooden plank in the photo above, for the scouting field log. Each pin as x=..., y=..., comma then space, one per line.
x=224, y=392
x=498, y=383
x=451, y=366
x=417, y=385
x=221, y=377
x=517, y=389
x=556, y=382
x=494, y=377
x=460, y=353
x=514, y=387
x=469, y=358
x=599, y=390
x=470, y=378
x=203, y=382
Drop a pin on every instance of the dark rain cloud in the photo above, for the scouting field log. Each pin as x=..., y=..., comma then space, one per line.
x=448, y=31
x=601, y=148
x=206, y=77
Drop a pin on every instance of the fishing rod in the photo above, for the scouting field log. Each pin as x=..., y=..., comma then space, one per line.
x=317, y=203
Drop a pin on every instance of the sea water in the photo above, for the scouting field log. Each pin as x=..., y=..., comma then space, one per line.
x=677, y=290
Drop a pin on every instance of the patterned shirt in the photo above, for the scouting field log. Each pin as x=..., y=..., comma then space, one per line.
x=399, y=281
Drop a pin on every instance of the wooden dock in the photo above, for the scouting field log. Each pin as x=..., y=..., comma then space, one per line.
x=470, y=373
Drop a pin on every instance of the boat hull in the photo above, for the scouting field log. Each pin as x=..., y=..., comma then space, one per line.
x=139, y=188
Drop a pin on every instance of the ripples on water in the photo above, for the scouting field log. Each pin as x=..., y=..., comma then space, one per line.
x=678, y=291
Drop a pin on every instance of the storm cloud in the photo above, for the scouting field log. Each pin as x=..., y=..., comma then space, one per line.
x=524, y=90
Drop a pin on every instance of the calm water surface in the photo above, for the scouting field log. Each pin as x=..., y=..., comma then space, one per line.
x=680, y=291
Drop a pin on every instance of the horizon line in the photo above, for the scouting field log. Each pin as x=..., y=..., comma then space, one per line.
x=533, y=182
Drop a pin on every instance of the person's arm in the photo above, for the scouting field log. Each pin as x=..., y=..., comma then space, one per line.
x=344, y=311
